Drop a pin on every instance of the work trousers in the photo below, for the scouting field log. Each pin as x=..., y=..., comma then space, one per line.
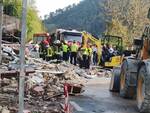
x=86, y=61
x=48, y=58
x=65, y=56
x=95, y=58
x=58, y=57
x=73, y=57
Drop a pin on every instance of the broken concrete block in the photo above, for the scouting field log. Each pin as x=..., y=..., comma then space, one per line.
x=5, y=110
x=38, y=90
x=1, y=108
x=26, y=111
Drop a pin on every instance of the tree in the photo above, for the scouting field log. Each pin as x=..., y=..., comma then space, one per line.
x=34, y=24
x=132, y=14
x=87, y=16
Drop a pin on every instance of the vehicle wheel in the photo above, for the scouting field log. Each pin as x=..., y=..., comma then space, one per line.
x=126, y=91
x=143, y=90
x=115, y=80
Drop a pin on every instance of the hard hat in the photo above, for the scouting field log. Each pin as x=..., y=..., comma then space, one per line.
x=65, y=42
x=57, y=42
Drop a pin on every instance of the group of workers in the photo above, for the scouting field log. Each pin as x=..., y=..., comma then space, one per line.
x=77, y=54
x=107, y=52
x=80, y=54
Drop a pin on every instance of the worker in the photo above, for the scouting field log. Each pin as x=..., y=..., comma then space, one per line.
x=105, y=54
x=80, y=56
x=90, y=52
x=111, y=50
x=45, y=46
x=65, y=49
x=58, y=50
x=86, y=62
x=73, y=56
x=42, y=51
x=49, y=53
x=95, y=55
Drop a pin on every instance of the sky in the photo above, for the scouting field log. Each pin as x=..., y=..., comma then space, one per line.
x=46, y=6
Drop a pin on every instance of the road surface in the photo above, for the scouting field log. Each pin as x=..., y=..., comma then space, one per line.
x=98, y=99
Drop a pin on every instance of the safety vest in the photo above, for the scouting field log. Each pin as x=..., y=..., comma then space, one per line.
x=65, y=48
x=58, y=51
x=85, y=51
x=49, y=52
x=74, y=48
x=90, y=51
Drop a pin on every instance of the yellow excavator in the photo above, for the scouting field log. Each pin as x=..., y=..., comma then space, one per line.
x=86, y=38
x=116, y=58
x=132, y=78
x=90, y=39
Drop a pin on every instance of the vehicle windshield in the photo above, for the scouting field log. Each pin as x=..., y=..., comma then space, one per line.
x=38, y=39
x=72, y=38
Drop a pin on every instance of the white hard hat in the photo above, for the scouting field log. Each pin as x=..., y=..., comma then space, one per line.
x=57, y=42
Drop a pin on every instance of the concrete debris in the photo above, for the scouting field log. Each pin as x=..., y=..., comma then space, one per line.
x=5, y=110
x=38, y=91
x=44, y=84
x=26, y=111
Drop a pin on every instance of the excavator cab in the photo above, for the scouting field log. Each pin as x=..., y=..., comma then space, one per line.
x=115, y=41
x=117, y=44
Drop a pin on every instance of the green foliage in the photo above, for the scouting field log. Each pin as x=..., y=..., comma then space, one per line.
x=115, y=28
x=87, y=15
x=13, y=7
x=34, y=24
x=130, y=14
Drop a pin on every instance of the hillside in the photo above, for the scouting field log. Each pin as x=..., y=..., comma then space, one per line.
x=87, y=15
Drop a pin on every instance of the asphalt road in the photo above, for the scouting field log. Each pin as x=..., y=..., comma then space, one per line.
x=98, y=99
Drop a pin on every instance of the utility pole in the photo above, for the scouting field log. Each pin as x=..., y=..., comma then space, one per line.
x=1, y=28
x=22, y=57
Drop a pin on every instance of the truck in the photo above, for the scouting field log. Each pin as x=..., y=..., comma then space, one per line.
x=69, y=36
x=38, y=37
x=81, y=37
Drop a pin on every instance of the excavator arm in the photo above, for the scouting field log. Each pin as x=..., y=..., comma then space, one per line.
x=89, y=39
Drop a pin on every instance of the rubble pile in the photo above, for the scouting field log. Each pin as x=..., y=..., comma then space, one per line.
x=44, y=86
x=44, y=89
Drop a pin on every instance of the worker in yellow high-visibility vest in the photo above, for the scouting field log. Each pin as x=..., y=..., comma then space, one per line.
x=90, y=52
x=86, y=62
x=74, y=50
x=65, y=49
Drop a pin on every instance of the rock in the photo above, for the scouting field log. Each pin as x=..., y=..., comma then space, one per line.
x=38, y=90
x=36, y=79
x=26, y=111
x=1, y=108
x=5, y=110
x=44, y=88
x=10, y=89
